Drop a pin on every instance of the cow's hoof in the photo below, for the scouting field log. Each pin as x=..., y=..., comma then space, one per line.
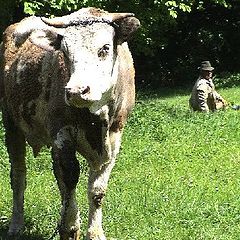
x=101, y=237
x=14, y=233
x=73, y=235
x=96, y=235
x=15, y=229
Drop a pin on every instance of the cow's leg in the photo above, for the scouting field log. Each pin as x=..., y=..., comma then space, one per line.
x=66, y=170
x=97, y=186
x=16, y=147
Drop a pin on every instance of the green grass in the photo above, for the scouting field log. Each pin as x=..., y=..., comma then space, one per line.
x=177, y=176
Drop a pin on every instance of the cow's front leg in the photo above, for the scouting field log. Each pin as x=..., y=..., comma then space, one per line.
x=16, y=146
x=66, y=170
x=97, y=187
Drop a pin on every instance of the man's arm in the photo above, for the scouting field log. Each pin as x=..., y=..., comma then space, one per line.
x=202, y=99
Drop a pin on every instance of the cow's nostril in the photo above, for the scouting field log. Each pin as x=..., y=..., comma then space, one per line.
x=86, y=90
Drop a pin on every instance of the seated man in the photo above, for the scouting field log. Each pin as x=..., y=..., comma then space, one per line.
x=204, y=97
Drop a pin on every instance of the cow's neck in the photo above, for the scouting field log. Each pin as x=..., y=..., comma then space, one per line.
x=102, y=112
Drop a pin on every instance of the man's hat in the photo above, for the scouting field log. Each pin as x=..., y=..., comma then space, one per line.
x=206, y=66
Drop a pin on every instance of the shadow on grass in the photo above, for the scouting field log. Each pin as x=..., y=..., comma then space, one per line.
x=165, y=92
x=222, y=80
x=24, y=236
x=28, y=236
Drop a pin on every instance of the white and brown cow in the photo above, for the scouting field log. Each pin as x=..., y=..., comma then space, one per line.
x=69, y=84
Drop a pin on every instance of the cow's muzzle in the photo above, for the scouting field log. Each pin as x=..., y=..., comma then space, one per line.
x=80, y=91
x=79, y=97
x=77, y=93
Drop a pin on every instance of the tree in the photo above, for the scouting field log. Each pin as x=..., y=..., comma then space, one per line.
x=174, y=37
x=11, y=11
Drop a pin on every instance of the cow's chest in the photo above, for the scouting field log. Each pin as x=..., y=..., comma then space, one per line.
x=90, y=139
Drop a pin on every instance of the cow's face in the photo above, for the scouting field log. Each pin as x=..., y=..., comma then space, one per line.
x=91, y=56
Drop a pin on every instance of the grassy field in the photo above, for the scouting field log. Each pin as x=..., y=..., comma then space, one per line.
x=177, y=176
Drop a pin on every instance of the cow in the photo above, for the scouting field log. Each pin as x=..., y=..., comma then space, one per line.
x=68, y=83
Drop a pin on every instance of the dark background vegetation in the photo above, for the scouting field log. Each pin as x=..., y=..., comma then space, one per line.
x=174, y=38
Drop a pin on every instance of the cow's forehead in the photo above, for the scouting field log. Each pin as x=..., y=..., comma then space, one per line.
x=97, y=34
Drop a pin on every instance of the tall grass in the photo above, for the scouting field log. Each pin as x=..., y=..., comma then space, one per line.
x=177, y=176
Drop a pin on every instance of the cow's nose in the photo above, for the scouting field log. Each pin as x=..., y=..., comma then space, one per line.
x=81, y=91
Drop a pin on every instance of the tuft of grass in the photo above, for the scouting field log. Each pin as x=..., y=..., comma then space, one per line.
x=177, y=176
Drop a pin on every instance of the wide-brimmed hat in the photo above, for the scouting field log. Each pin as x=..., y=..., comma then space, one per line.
x=206, y=66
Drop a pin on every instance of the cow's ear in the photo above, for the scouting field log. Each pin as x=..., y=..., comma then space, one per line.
x=126, y=28
x=46, y=39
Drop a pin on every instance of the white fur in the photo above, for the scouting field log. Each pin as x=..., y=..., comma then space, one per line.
x=63, y=135
x=89, y=71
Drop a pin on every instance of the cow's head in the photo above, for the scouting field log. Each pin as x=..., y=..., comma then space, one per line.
x=89, y=39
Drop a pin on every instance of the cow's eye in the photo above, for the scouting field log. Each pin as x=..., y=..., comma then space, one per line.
x=103, y=51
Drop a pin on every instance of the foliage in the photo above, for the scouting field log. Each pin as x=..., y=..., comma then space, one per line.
x=156, y=16
x=174, y=38
x=176, y=178
x=209, y=33
x=227, y=80
x=6, y=13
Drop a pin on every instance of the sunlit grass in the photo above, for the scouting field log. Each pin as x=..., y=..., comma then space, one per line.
x=177, y=176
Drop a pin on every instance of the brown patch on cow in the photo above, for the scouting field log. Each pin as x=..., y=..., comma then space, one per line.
x=21, y=92
x=117, y=124
x=19, y=84
x=124, y=92
x=63, y=72
x=9, y=48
